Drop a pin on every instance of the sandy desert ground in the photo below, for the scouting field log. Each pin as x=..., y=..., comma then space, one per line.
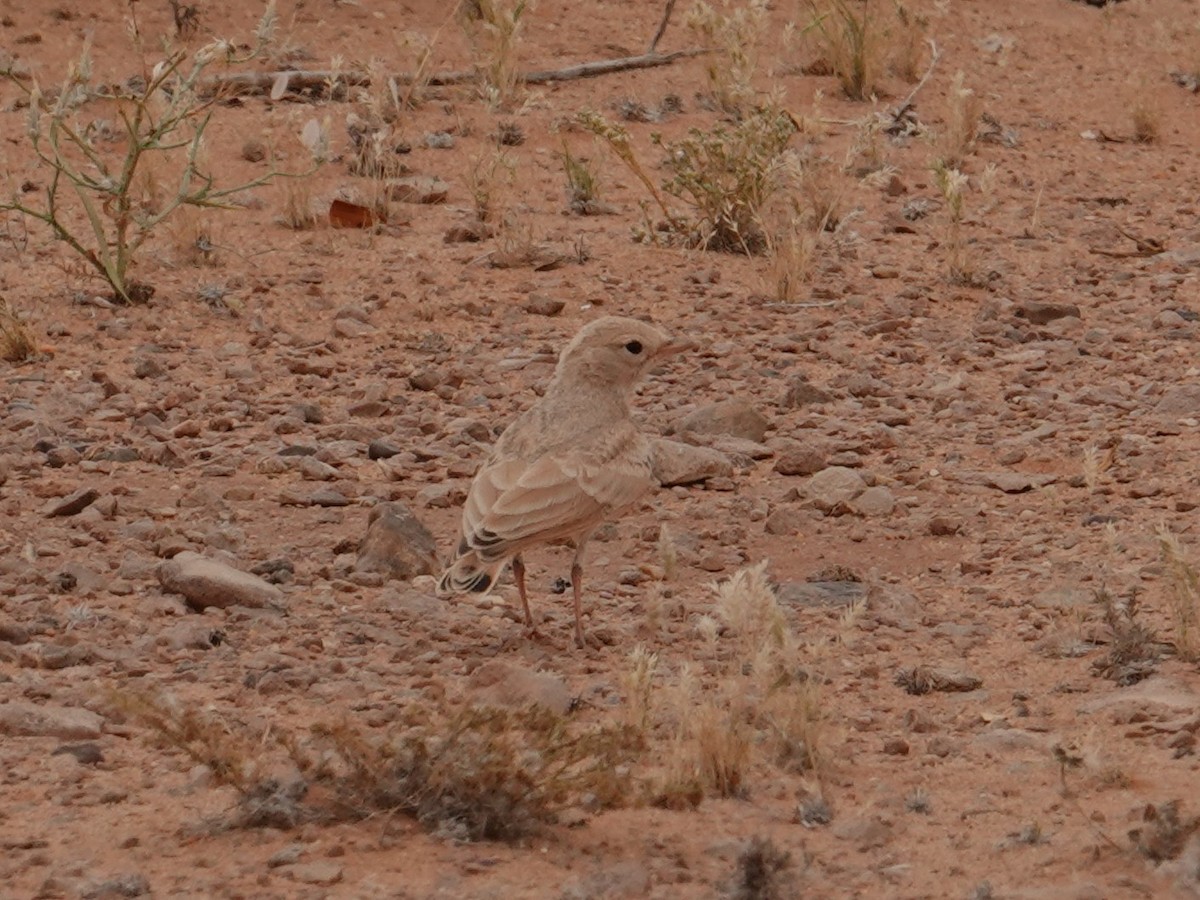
x=958, y=434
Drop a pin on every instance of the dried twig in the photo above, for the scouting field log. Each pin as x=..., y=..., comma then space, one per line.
x=902, y=110
x=298, y=81
x=662, y=26
x=1145, y=247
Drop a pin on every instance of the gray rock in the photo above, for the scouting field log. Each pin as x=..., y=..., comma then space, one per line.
x=397, y=544
x=38, y=720
x=785, y=520
x=1009, y=482
x=800, y=392
x=72, y=504
x=319, y=873
x=425, y=189
x=736, y=417
x=799, y=458
x=676, y=463
x=313, y=469
x=834, y=486
x=1181, y=400
x=1040, y=313
x=875, y=501
x=540, y=304
x=817, y=594
x=1158, y=697
x=205, y=582
x=498, y=683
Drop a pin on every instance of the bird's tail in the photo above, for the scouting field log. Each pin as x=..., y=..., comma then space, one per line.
x=468, y=574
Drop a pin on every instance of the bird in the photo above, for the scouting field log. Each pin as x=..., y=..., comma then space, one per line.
x=571, y=462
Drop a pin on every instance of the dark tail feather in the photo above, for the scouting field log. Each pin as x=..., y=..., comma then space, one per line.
x=467, y=575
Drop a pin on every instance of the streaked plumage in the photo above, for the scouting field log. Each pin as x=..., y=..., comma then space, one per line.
x=566, y=465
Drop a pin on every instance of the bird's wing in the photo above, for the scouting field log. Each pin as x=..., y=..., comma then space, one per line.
x=516, y=502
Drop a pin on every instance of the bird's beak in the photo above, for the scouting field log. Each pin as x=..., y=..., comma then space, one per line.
x=676, y=345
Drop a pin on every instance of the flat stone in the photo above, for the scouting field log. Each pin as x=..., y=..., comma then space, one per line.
x=1040, y=313
x=816, y=594
x=800, y=392
x=498, y=683
x=425, y=189
x=1181, y=400
x=39, y=720
x=676, y=463
x=799, y=458
x=785, y=520
x=320, y=873
x=736, y=417
x=874, y=501
x=72, y=504
x=397, y=544
x=833, y=486
x=544, y=305
x=205, y=582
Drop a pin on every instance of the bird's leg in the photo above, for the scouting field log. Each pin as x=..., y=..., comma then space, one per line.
x=518, y=568
x=577, y=589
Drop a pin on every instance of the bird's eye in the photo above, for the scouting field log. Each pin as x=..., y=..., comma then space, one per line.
x=634, y=347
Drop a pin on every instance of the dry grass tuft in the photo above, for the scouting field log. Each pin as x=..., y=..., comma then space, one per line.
x=959, y=138
x=16, y=343
x=1133, y=650
x=494, y=29
x=1185, y=594
x=489, y=181
x=727, y=176
x=471, y=773
x=296, y=204
x=583, y=185
x=731, y=31
x=852, y=40
x=763, y=872
x=752, y=701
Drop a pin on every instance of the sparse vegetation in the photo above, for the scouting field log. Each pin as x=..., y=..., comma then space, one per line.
x=756, y=699
x=731, y=30
x=957, y=141
x=583, y=185
x=489, y=182
x=165, y=116
x=1133, y=650
x=909, y=42
x=1146, y=118
x=850, y=38
x=962, y=267
x=1184, y=584
x=16, y=343
x=494, y=28
x=727, y=176
x=763, y=872
x=471, y=773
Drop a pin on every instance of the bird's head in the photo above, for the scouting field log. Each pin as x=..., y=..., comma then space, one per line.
x=616, y=350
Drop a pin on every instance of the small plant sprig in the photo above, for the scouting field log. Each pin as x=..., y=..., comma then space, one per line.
x=583, y=185
x=494, y=28
x=727, y=175
x=961, y=135
x=16, y=344
x=732, y=34
x=1185, y=594
x=617, y=138
x=960, y=264
x=164, y=117
x=853, y=42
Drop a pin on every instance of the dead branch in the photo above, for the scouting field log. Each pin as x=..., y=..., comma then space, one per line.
x=278, y=83
x=662, y=26
x=902, y=110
